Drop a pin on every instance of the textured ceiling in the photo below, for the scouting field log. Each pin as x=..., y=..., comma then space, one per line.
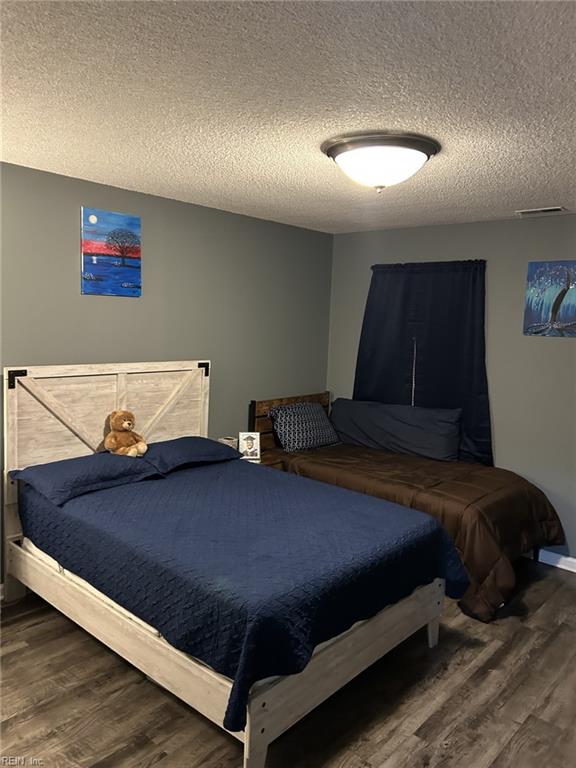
x=226, y=104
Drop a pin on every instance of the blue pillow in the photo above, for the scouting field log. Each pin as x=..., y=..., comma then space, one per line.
x=169, y=455
x=302, y=426
x=63, y=480
x=433, y=433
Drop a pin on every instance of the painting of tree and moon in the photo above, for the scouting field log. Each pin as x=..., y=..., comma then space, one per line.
x=111, y=257
x=550, y=308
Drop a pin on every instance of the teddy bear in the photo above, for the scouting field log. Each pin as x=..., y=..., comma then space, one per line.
x=121, y=440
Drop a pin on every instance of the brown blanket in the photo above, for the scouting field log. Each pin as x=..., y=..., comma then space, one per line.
x=493, y=515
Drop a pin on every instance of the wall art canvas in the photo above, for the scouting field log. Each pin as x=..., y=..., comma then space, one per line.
x=111, y=253
x=550, y=308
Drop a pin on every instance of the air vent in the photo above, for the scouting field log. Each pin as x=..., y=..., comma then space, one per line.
x=553, y=210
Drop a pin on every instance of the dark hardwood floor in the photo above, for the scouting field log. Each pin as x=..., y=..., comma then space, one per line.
x=489, y=696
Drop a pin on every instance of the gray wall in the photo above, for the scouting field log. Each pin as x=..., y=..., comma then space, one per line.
x=251, y=295
x=254, y=297
x=532, y=380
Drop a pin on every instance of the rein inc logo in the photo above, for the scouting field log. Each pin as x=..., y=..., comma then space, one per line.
x=20, y=760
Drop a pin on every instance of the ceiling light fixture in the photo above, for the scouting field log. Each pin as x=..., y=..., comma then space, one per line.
x=380, y=160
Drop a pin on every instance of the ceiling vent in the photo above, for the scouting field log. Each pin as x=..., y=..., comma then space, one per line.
x=553, y=210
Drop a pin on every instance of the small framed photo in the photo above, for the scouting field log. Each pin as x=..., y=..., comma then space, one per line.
x=249, y=445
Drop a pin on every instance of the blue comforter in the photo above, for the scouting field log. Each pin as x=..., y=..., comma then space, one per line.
x=242, y=566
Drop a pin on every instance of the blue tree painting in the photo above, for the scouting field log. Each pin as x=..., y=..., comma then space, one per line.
x=550, y=299
x=111, y=253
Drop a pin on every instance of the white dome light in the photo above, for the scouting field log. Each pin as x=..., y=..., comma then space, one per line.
x=380, y=160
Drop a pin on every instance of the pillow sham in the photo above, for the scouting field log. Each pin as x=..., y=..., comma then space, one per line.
x=60, y=481
x=302, y=426
x=433, y=433
x=169, y=455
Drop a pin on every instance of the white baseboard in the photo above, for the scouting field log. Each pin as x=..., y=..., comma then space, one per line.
x=558, y=561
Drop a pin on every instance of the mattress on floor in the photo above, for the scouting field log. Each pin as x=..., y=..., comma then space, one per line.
x=243, y=567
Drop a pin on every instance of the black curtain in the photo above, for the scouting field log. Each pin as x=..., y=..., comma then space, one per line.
x=422, y=344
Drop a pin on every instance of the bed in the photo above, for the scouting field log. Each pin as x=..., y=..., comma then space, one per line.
x=492, y=515
x=250, y=594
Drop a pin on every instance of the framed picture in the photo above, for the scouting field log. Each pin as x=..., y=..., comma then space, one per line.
x=249, y=445
x=550, y=306
x=111, y=254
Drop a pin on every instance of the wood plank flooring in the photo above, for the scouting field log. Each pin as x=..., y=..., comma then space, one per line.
x=501, y=695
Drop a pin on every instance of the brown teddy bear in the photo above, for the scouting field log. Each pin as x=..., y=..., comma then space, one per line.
x=121, y=440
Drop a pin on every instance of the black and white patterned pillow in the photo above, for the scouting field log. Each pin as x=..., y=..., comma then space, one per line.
x=302, y=425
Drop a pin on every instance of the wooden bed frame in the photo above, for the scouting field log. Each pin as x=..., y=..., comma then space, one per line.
x=57, y=412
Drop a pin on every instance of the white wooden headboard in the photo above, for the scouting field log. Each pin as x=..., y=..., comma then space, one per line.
x=59, y=412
